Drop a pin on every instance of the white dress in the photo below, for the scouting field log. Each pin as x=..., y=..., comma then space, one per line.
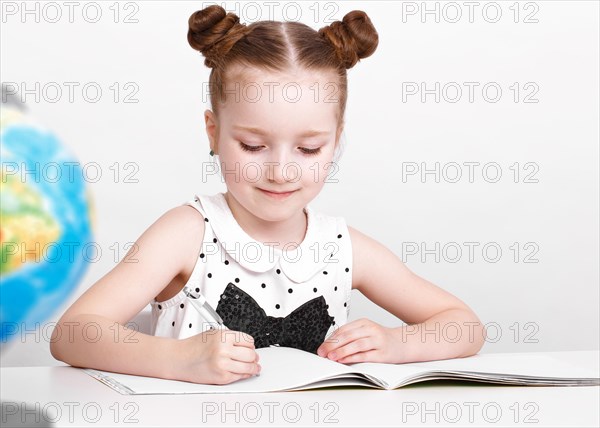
x=294, y=298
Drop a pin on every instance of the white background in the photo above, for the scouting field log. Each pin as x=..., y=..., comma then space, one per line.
x=548, y=305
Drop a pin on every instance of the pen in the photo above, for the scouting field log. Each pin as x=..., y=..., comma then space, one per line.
x=204, y=309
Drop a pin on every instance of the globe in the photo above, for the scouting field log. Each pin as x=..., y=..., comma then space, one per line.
x=46, y=218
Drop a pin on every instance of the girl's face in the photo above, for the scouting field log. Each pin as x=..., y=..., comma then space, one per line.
x=279, y=135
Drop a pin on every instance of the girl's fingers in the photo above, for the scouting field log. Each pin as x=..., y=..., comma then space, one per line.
x=358, y=346
x=244, y=355
x=360, y=357
x=242, y=368
x=350, y=335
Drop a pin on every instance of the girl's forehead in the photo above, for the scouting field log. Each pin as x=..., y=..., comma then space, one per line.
x=280, y=104
x=242, y=73
x=299, y=95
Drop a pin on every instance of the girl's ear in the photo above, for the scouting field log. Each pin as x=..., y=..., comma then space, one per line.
x=212, y=126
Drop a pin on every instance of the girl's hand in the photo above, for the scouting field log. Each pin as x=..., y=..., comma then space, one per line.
x=217, y=357
x=362, y=341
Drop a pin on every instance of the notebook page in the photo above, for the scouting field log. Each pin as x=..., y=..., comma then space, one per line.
x=514, y=364
x=282, y=368
x=390, y=374
x=500, y=366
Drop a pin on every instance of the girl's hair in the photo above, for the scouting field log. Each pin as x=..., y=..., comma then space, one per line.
x=280, y=46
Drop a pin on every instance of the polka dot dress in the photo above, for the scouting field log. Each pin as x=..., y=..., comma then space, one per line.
x=295, y=296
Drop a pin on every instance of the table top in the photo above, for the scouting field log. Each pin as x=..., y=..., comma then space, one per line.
x=66, y=396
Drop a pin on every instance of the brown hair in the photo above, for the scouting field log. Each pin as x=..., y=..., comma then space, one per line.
x=279, y=46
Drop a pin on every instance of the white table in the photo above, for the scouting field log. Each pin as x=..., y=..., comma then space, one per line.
x=66, y=396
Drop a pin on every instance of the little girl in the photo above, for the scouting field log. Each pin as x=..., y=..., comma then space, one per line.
x=275, y=270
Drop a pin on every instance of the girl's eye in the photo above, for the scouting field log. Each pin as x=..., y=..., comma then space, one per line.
x=311, y=151
x=248, y=148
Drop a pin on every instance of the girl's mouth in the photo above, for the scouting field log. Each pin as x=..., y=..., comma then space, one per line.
x=276, y=195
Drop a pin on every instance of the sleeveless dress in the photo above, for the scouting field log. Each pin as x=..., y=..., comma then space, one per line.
x=293, y=297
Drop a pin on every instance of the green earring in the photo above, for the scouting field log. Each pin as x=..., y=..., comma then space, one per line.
x=212, y=153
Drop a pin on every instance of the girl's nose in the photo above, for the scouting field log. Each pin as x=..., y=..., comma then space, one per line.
x=278, y=170
x=275, y=172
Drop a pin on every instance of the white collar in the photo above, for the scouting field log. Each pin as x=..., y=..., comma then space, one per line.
x=300, y=264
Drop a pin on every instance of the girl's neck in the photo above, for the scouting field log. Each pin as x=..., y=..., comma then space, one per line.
x=277, y=233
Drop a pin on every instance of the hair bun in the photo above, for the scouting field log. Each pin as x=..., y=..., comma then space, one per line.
x=354, y=37
x=213, y=32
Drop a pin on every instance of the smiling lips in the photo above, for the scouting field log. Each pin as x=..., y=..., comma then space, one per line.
x=277, y=195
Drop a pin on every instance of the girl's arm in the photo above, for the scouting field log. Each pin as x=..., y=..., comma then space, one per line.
x=91, y=333
x=439, y=325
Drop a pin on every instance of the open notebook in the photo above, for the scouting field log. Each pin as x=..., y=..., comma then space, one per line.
x=291, y=369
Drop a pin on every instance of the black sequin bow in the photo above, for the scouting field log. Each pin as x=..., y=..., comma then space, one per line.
x=304, y=328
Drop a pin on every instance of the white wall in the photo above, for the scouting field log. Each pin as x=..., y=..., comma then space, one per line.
x=551, y=304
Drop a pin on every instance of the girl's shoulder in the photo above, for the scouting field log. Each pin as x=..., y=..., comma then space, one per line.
x=188, y=226
x=191, y=224
x=159, y=259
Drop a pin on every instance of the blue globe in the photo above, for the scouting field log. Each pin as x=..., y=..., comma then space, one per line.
x=46, y=220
